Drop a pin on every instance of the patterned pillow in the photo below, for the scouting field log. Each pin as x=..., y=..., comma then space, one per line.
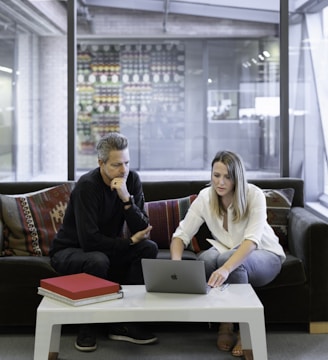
x=30, y=221
x=279, y=202
x=164, y=216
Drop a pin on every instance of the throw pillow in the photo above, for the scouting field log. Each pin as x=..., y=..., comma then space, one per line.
x=279, y=202
x=164, y=216
x=30, y=221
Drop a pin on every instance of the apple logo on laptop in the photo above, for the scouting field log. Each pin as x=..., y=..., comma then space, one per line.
x=174, y=277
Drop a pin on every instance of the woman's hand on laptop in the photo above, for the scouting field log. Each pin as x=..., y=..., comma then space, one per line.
x=218, y=277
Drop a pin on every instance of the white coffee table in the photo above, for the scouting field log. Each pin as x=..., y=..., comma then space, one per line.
x=237, y=303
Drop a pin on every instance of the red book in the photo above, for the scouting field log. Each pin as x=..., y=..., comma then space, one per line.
x=80, y=286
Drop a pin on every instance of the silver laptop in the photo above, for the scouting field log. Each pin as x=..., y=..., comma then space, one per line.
x=175, y=276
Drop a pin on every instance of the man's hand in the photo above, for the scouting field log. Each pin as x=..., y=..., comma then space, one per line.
x=141, y=235
x=119, y=184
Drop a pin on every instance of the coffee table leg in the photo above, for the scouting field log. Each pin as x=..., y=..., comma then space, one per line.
x=253, y=337
x=47, y=338
x=245, y=336
x=54, y=342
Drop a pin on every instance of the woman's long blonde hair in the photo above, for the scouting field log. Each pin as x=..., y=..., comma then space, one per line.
x=236, y=171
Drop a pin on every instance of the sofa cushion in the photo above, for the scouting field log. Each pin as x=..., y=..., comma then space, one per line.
x=292, y=274
x=279, y=202
x=31, y=220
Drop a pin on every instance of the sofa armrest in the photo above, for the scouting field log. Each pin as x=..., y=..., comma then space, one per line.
x=1, y=238
x=308, y=240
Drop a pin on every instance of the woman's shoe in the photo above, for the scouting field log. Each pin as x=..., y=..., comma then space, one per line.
x=237, y=350
x=226, y=337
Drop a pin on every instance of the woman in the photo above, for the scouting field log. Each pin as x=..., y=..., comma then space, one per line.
x=235, y=213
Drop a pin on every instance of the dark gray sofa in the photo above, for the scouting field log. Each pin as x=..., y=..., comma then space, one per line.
x=298, y=295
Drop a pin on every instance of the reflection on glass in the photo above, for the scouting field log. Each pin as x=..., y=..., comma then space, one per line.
x=243, y=100
x=6, y=110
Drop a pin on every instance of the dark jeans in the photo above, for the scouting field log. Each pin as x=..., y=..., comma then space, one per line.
x=122, y=267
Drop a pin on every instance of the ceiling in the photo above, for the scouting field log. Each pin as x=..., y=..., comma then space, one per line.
x=32, y=16
x=256, y=10
x=49, y=17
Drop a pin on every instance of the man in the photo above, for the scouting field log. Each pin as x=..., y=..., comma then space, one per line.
x=90, y=239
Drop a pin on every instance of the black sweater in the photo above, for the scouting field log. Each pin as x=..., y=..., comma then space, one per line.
x=95, y=215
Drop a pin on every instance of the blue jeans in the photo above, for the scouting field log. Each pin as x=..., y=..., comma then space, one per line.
x=122, y=267
x=258, y=269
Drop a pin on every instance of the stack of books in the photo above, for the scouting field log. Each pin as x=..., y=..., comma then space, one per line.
x=80, y=289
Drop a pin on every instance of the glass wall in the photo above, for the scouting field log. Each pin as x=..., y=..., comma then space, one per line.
x=178, y=97
x=199, y=80
x=33, y=95
x=180, y=85
x=308, y=104
x=7, y=51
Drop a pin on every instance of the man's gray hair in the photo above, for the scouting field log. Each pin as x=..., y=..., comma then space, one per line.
x=111, y=141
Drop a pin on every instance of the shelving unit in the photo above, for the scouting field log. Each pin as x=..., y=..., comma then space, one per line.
x=98, y=94
x=132, y=84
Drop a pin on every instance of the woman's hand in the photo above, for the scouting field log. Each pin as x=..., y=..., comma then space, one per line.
x=218, y=277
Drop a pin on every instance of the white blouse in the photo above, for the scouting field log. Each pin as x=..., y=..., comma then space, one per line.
x=255, y=227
